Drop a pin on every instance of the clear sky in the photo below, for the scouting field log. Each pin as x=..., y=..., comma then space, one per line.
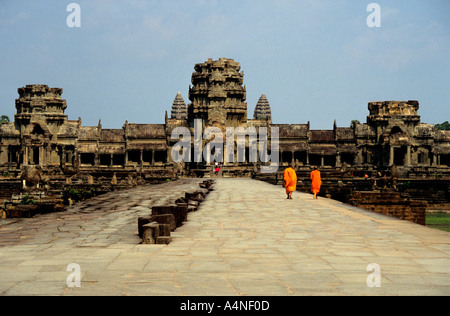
x=316, y=60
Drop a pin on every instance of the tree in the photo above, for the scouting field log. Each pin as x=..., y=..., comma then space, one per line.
x=4, y=119
x=353, y=123
x=443, y=126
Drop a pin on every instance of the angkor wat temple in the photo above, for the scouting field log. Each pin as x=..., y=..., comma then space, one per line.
x=42, y=135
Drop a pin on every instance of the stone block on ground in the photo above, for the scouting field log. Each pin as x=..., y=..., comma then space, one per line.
x=193, y=204
x=180, y=201
x=164, y=230
x=19, y=211
x=207, y=184
x=150, y=233
x=178, y=211
x=163, y=240
x=168, y=219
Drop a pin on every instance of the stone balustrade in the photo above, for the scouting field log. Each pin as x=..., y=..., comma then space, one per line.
x=164, y=219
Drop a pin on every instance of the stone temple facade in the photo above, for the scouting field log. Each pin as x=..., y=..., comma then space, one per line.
x=42, y=135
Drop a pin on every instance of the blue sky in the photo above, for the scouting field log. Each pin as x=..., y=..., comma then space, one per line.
x=315, y=60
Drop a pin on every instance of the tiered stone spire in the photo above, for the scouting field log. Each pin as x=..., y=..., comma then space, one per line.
x=179, y=109
x=262, y=109
x=217, y=93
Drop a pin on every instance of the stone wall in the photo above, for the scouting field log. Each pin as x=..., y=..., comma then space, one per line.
x=391, y=203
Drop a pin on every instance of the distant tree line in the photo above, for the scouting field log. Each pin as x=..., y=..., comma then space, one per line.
x=443, y=126
x=354, y=123
x=4, y=119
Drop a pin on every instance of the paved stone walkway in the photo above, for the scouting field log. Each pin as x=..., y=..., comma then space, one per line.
x=245, y=239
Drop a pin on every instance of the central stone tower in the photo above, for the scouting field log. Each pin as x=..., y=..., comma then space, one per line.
x=217, y=94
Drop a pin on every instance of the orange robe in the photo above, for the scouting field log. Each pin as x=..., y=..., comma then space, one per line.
x=316, y=181
x=290, y=180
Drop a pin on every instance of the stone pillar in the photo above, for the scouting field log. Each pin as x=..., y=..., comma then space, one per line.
x=42, y=155
x=226, y=159
x=63, y=155
x=322, y=160
x=408, y=155
x=96, y=160
x=5, y=155
x=70, y=160
x=26, y=157
x=208, y=151
x=338, y=160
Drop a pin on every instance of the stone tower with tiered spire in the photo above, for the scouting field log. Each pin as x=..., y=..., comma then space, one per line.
x=217, y=94
x=179, y=109
x=262, y=109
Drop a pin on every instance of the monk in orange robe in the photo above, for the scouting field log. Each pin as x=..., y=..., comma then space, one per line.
x=290, y=181
x=316, y=182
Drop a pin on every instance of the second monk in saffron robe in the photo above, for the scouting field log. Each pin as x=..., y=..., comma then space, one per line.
x=316, y=181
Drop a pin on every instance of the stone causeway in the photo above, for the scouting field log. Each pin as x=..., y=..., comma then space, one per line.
x=244, y=239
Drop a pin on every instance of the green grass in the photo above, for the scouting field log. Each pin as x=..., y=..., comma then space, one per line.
x=439, y=220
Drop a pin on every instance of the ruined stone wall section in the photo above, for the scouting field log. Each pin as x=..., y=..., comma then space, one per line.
x=391, y=204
